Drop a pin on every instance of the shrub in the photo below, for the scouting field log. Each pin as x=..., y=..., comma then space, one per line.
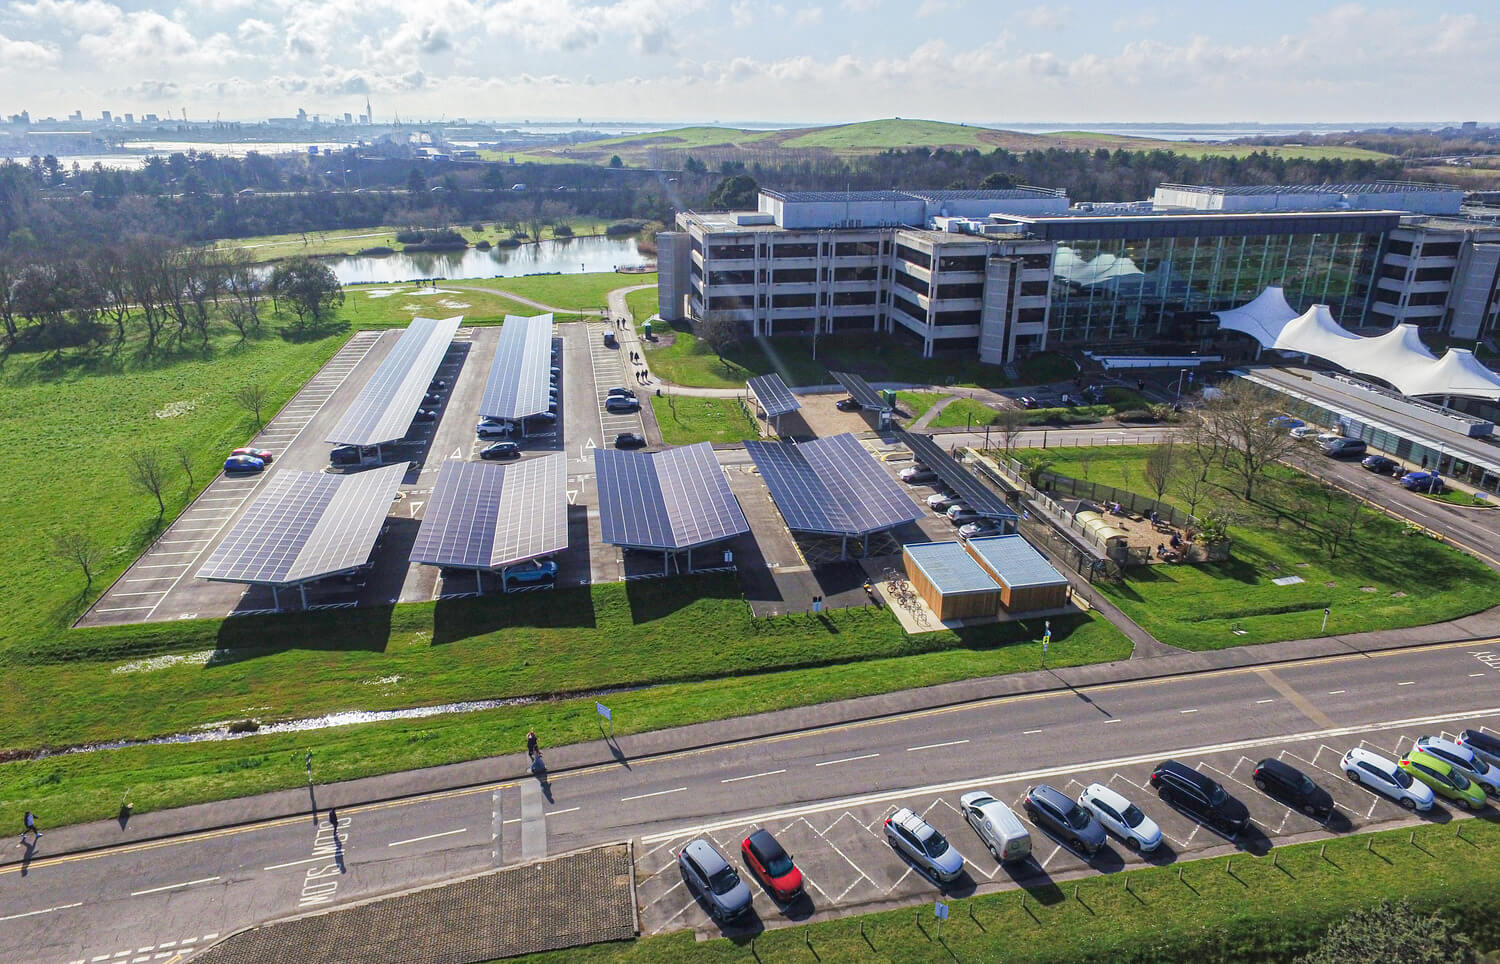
x=377, y=250
x=562, y=230
x=410, y=235
x=482, y=245
x=620, y=228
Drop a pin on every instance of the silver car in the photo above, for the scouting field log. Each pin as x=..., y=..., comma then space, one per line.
x=1463, y=759
x=712, y=877
x=1121, y=817
x=921, y=843
x=941, y=501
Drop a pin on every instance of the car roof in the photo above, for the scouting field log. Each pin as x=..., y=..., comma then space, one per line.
x=764, y=844
x=1052, y=795
x=708, y=858
x=1369, y=756
x=908, y=818
x=1105, y=795
x=1447, y=746
x=1277, y=766
x=1436, y=763
x=1479, y=738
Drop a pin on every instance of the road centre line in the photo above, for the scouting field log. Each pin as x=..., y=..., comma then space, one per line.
x=157, y=890
x=553, y=813
x=1409, y=682
x=431, y=836
x=296, y=863
x=1472, y=675
x=658, y=793
x=1023, y=733
x=934, y=746
x=752, y=776
x=1193, y=710
x=1335, y=692
x=1029, y=775
x=47, y=910
x=847, y=759
x=1258, y=702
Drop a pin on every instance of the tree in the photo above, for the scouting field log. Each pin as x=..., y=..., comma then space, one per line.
x=79, y=548
x=416, y=182
x=1239, y=417
x=614, y=161
x=309, y=286
x=184, y=453
x=252, y=398
x=1161, y=468
x=148, y=475
x=997, y=180
x=1370, y=934
x=1010, y=423
x=719, y=331
x=1192, y=489
x=735, y=193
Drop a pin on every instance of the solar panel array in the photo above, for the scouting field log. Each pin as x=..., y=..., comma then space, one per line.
x=973, y=493
x=519, y=375
x=385, y=407
x=304, y=526
x=831, y=486
x=773, y=395
x=861, y=392
x=674, y=499
x=487, y=516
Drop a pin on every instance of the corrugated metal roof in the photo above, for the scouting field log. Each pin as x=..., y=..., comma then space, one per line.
x=950, y=569
x=1016, y=562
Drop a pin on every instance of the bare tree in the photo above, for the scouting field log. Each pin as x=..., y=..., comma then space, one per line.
x=1344, y=518
x=78, y=547
x=720, y=331
x=1204, y=445
x=1085, y=460
x=148, y=475
x=184, y=453
x=252, y=398
x=1240, y=418
x=1193, y=489
x=1010, y=423
x=1161, y=468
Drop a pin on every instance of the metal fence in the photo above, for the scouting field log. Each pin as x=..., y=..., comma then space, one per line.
x=1106, y=495
x=1040, y=519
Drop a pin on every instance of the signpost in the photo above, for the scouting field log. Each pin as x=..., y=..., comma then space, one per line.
x=603, y=711
x=1046, y=639
x=1325, y=620
x=940, y=911
x=308, y=761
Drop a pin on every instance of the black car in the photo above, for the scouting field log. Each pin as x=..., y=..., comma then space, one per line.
x=1380, y=464
x=1060, y=815
x=501, y=450
x=345, y=455
x=1486, y=746
x=1199, y=797
x=1290, y=784
x=425, y=415
x=629, y=440
x=846, y=405
x=437, y=385
x=432, y=398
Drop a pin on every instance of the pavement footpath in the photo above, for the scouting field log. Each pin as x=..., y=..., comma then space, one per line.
x=99, y=835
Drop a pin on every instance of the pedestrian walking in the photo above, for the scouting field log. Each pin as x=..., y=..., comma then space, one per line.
x=30, y=824
x=532, y=749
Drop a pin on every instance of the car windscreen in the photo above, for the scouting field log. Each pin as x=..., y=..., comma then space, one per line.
x=778, y=864
x=1460, y=782
x=1132, y=816
x=1217, y=796
x=1403, y=779
x=1307, y=787
x=1078, y=818
x=724, y=881
x=935, y=845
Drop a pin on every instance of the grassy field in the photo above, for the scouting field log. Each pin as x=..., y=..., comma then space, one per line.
x=1236, y=602
x=916, y=404
x=1206, y=149
x=271, y=247
x=571, y=292
x=694, y=650
x=967, y=411
x=685, y=419
x=394, y=305
x=1234, y=910
x=642, y=305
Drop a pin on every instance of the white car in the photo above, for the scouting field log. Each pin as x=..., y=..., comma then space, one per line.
x=1121, y=817
x=941, y=501
x=1383, y=776
x=1304, y=431
x=997, y=825
x=1461, y=758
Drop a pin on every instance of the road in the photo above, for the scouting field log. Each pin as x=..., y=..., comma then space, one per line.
x=825, y=789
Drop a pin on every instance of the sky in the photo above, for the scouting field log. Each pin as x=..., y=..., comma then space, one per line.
x=727, y=61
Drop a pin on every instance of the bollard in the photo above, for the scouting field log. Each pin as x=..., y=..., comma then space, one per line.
x=971, y=913
x=1075, y=891
x=1322, y=851
x=1275, y=858
x=1127, y=882
x=1412, y=840
x=1370, y=845
x=807, y=937
x=1179, y=873
x=1229, y=866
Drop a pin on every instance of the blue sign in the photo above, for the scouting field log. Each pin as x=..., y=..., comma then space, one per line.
x=940, y=910
x=603, y=711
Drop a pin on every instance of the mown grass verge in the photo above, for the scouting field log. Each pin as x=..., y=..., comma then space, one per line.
x=1236, y=910
x=685, y=419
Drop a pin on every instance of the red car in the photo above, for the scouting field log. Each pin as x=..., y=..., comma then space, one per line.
x=261, y=454
x=773, y=865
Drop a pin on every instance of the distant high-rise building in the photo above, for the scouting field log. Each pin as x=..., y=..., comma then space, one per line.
x=301, y=115
x=105, y=116
x=129, y=119
x=150, y=119
x=369, y=111
x=77, y=115
x=348, y=118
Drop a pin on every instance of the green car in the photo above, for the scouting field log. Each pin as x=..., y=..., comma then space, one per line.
x=1444, y=779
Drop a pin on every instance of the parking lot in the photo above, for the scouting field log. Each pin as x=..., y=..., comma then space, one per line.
x=848, y=866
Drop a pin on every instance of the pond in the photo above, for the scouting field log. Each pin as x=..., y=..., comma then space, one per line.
x=547, y=257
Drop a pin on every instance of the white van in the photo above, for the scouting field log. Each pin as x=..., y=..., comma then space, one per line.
x=997, y=825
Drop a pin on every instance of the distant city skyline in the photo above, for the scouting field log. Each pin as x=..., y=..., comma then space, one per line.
x=738, y=61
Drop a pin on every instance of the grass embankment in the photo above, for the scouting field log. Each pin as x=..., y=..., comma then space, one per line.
x=1381, y=577
x=968, y=412
x=271, y=247
x=1235, y=910
x=916, y=404
x=394, y=305
x=570, y=292
x=642, y=305
x=692, y=641
x=684, y=419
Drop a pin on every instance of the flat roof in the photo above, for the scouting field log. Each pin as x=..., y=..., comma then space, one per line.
x=950, y=569
x=837, y=196
x=1359, y=187
x=1016, y=562
x=1090, y=225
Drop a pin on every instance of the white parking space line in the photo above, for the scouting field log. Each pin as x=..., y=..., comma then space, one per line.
x=658, y=793
x=188, y=883
x=165, y=565
x=148, y=578
x=123, y=609
x=1194, y=710
x=147, y=592
x=847, y=759
x=1258, y=702
x=934, y=746
x=752, y=776
x=1336, y=692
x=47, y=910
x=431, y=836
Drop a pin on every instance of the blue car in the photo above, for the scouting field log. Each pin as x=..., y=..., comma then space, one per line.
x=1285, y=421
x=1429, y=482
x=535, y=572
x=244, y=463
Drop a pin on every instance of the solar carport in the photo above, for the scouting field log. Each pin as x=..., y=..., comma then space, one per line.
x=389, y=401
x=669, y=501
x=773, y=397
x=970, y=491
x=489, y=517
x=519, y=375
x=832, y=486
x=304, y=527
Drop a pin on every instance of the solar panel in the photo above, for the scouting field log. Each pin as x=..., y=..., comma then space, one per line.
x=486, y=516
x=519, y=375
x=773, y=395
x=831, y=486
x=975, y=494
x=304, y=526
x=674, y=499
x=385, y=407
x=861, y=392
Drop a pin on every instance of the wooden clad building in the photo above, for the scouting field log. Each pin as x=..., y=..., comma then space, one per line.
x=1027, y=580
x=950, y=581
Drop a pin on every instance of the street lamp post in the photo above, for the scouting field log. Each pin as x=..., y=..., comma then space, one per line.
x=1180, y=375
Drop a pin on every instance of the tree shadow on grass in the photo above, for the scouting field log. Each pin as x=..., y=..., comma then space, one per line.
x=312, y=331
x=458, y=619
x=365, y=628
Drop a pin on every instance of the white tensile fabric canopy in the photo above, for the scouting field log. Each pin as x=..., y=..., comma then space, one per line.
x=1398, y=356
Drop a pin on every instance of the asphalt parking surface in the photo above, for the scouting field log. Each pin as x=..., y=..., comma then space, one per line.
x=849, y=867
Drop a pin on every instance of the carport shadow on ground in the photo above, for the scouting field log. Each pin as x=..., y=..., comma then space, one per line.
x=652, y=599
x=360, y=628
x=456, y=619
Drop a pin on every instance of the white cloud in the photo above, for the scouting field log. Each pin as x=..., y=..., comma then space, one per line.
x=254, y=31
x=1047, y=17
x=808, y=16
x=26, y=54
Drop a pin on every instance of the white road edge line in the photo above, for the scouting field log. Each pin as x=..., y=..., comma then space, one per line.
x=752, y=776
x=296, y=863
x=431, y=836
x=658, y=793
x=553, y=813
x=157, y=890
x=33, y=913
x=847, y=759
x=934, y=746
x=1155, y=757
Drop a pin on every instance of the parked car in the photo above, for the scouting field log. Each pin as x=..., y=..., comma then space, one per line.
x=1285, y=421
x=555, y=370
x=1485, y=746
x=1344, y=448
x=921, y=843
x=1463, y=759
x=1200, y=797
x=772, y=865
x=425, y=415
x=997, y=825
x=1429, y=482
x=432, y=398
x=609, y=340
x=545, y=417
x=345, y=455
x=1120, y=817
x=619, y=392
x=617, y=404
x=1383, y=776
x=1325, y=437
x=501, y=450
x=941, y=501
x=243, y=463
x=630, y=440
x=711, y=877
x=1380, y=464
x=961, y=515
x=261, y=454
x=437, y=385
x=1303, y=431
x=847, y=405
x=493, y=429
x=532, y=573
x=1443, y=778
x=978, y=529
x=918, y=475
x=1057, y=813
x=1272, y=776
